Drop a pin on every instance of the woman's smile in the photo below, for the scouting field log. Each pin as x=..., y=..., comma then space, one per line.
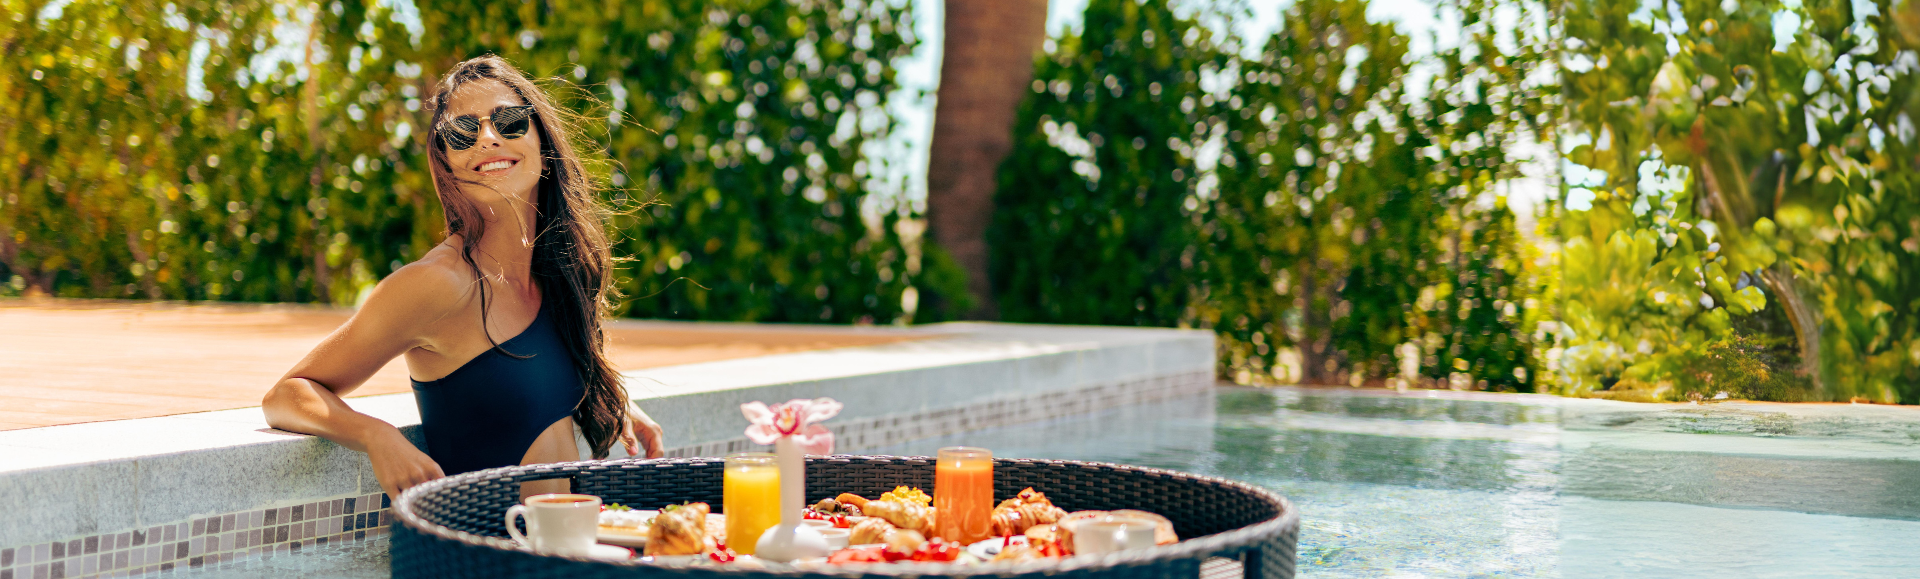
x=496, y=165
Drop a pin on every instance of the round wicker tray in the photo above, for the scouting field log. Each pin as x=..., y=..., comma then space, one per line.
x=452, y=527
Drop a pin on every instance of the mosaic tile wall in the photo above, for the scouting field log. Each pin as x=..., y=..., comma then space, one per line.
x=201, y=542
x=853, y=436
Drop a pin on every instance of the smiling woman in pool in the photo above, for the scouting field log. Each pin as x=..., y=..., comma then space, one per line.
x=499, y=324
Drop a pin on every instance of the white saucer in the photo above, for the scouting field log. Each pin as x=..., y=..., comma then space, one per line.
x=988, y=548
x=610, y=553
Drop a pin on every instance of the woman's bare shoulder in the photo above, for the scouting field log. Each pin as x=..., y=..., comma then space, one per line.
x=427, y=289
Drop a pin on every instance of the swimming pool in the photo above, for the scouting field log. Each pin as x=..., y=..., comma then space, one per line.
x=1434, y=484
x=1428, y=484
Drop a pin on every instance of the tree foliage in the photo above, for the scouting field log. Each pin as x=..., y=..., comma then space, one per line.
x=1095, y=218
x=1303, y=202
x=1742, y=160
x=260, y=150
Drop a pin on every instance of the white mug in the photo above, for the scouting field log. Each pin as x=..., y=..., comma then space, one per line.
x=1109, y=534
x=558, y=524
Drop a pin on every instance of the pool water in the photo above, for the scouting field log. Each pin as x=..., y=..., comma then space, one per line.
x=1442, y=484
x=1461, y=485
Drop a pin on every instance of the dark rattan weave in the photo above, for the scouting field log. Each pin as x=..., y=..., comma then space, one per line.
x=453, y=527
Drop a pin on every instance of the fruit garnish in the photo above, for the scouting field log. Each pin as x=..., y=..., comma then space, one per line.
x=615, y=507
x=721, y=554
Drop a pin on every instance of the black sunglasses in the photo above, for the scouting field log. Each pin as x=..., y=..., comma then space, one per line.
x=463, y=131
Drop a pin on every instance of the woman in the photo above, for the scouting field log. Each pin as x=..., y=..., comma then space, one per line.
x=499, y=324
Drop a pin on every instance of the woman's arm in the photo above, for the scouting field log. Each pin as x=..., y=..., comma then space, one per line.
x=394, y=319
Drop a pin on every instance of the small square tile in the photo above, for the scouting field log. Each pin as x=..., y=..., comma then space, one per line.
x=6, y=574
x=347, y=505
x=89, y=566
x=59, y=550
x=180, y=550
x=196, y=561
x=6, y=557
x=168, y=534
x=40, y=571
x=226, y=522
x=272, y=517
x=91, y=545
x=299, y=513
x=199, y=527
x=280, y=535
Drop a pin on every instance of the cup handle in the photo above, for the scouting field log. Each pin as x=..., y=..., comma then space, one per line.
x=518, y=511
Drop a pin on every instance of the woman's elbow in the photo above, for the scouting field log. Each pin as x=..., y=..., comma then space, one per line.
x=277, y=404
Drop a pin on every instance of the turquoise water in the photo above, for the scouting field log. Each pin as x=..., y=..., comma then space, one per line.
x=1519, y=486
x=1435, y=484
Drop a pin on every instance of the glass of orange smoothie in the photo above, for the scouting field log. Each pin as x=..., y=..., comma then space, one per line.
x=963, y=494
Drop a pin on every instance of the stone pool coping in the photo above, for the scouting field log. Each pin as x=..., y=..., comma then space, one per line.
x=66, y=483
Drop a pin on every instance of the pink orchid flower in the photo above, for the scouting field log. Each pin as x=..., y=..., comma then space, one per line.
x=798, y=418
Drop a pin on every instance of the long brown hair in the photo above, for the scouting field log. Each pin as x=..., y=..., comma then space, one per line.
x=571, y=259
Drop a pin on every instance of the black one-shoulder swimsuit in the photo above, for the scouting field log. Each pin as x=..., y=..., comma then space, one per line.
x=490, y=410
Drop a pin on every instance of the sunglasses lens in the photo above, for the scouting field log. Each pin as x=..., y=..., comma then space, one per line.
x=461, y=133
x=514, y=122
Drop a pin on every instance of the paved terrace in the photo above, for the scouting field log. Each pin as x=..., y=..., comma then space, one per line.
x=74, y=361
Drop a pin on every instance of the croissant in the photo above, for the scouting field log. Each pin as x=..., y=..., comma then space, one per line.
x=911, y=516
x=679, y=531
x=869, y=531
x=1029, y=508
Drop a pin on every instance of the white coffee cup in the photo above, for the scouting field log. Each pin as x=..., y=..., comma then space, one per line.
x=558, y=524
x=1108, y=534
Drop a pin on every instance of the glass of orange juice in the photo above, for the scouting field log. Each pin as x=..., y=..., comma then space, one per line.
x=752, y=498
x=963, y=494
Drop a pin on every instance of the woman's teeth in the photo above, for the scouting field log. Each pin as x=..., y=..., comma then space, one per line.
x=494, y=166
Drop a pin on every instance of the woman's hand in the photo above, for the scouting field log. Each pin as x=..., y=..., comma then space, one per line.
x=398, y=465
x=649, y=433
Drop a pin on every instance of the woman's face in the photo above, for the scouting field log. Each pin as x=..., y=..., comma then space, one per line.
x=509, y=167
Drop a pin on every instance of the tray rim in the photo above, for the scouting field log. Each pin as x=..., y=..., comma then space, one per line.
x=1197, y=549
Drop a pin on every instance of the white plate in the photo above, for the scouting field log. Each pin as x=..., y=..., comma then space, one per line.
x=990, y=547
x=635, y=541
x=714, y=521
x=627, y=540
x=610, y=553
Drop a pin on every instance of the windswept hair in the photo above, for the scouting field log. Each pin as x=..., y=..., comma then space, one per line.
x=571, y=255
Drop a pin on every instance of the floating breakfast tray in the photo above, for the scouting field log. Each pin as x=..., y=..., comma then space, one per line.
x=452, y=527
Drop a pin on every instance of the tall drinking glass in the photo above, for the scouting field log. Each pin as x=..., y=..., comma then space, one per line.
x=963, y=494
x=752, y=498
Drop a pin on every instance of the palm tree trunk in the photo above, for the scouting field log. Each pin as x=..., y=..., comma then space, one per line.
x=984, y=73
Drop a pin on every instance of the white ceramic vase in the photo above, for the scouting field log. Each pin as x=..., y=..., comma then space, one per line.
x=791, y=540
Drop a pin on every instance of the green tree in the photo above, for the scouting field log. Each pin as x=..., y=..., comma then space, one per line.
x=243, y=150
x=174, y=151
x=1740, y=157
x=1319, y=229
x=1096, y=216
